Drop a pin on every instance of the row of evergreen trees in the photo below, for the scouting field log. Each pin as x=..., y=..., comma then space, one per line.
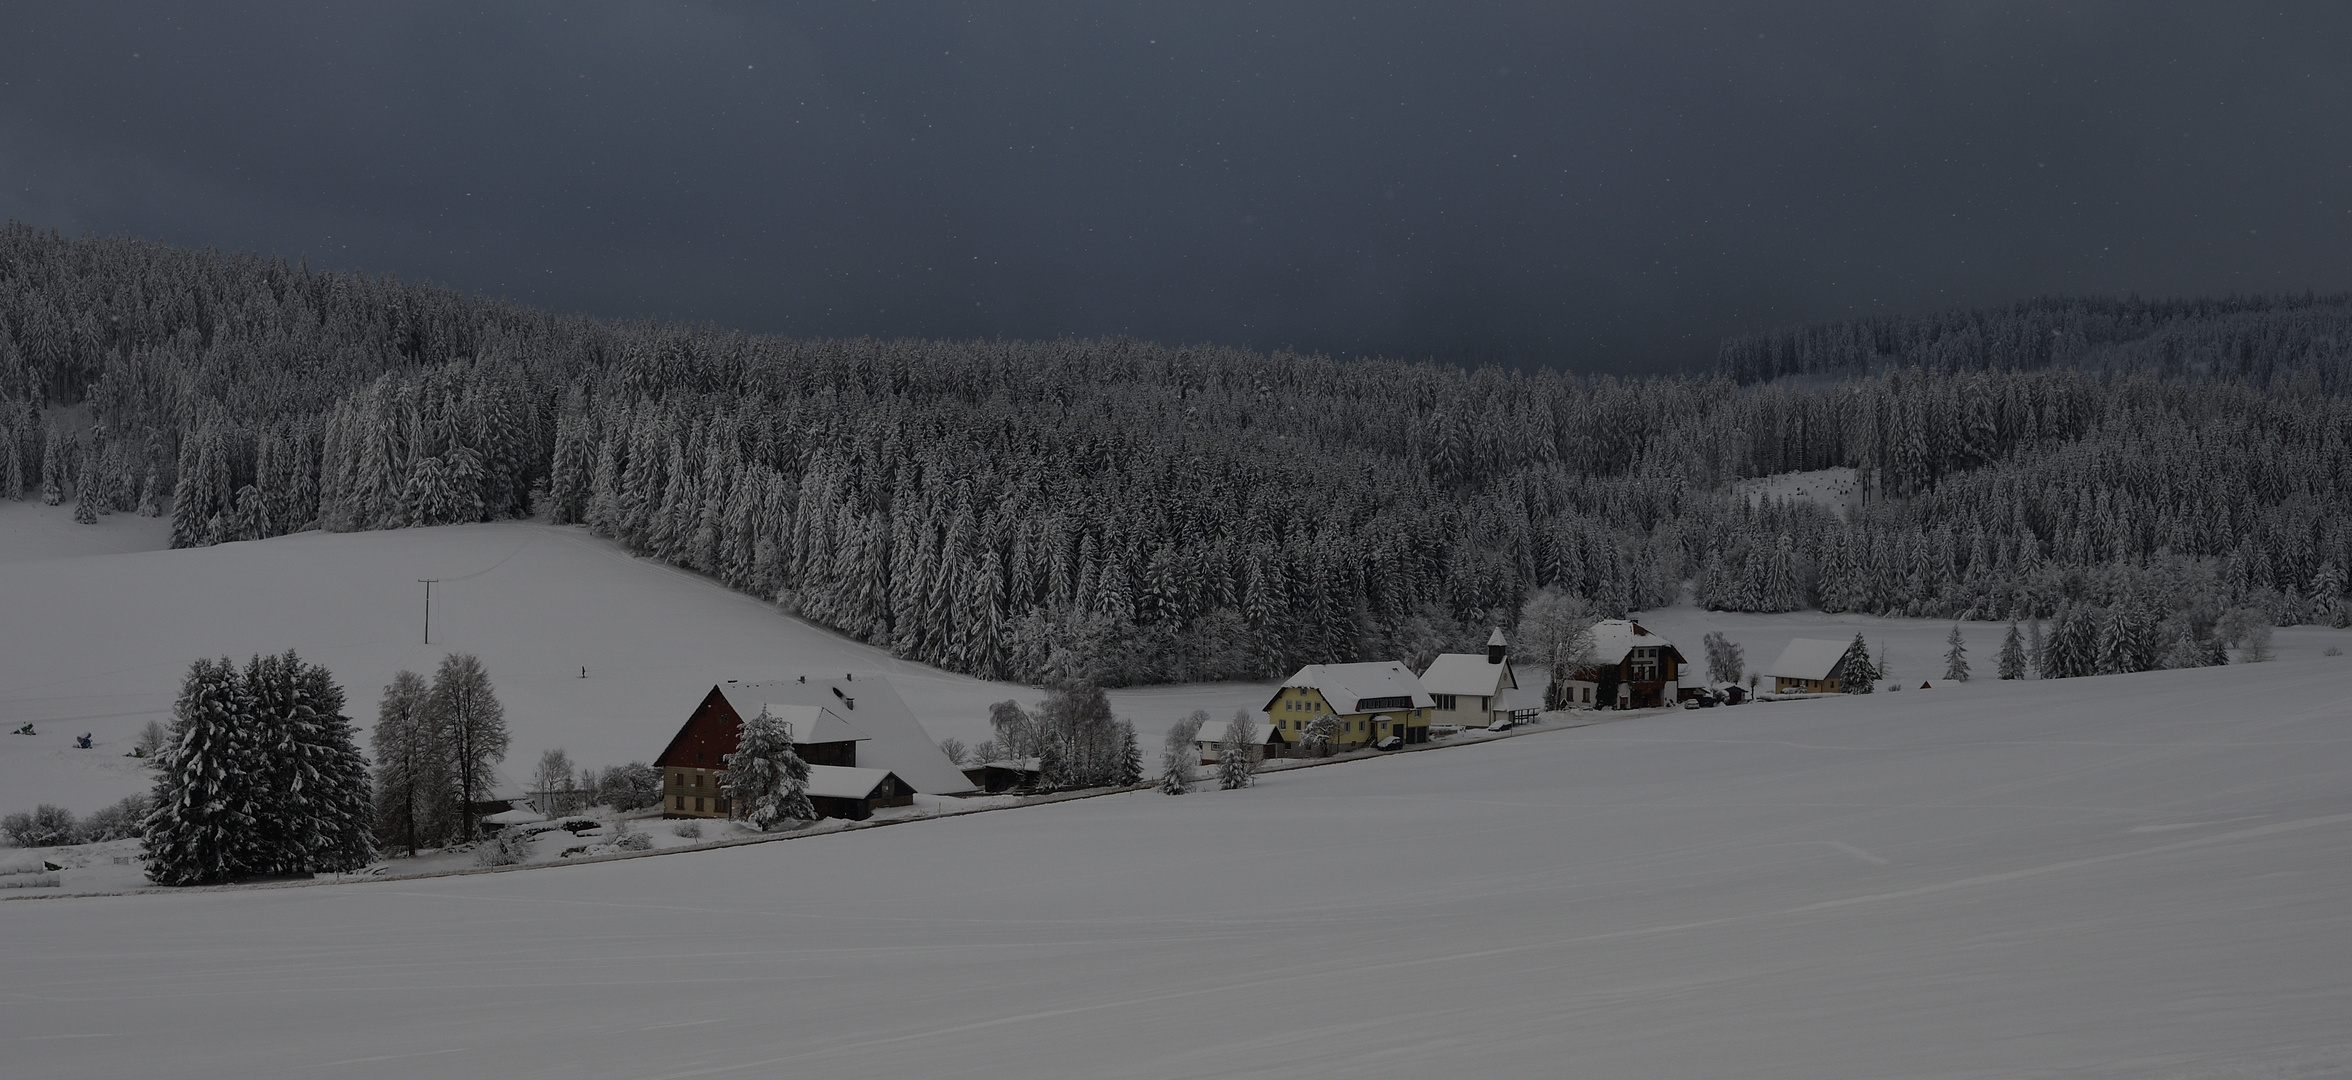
x=1114, y=512
x=260, y=775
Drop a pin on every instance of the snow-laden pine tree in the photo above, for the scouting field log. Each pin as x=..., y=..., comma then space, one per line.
x=1178, y=753
x=766, y=781
x=1130, y=756
x=1237, y=754
x=207, y=783
x=1955, y=656
x=320, y=807
x=2012, y=658
x=1856, y=674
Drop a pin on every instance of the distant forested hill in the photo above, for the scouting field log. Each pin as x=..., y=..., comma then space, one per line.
x=1123, y=511
x=2252, y=339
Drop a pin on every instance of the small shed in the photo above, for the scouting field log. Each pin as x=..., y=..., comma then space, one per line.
x=997, y=777
x=839, y=791
x=1266, y=740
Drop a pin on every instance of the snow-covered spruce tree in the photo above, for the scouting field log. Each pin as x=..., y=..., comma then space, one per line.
x=1130, y=756
x=1955, y=656
x=1856, y=674
x=472, y=725
x=201, y=830
x=413, y=780
x=317, y=810
x=1726, y=662
x=1178, y=753
x=1237, y=754
x=766, y=781
x=2186, y=652
x=52, y=469
x=2012, y=658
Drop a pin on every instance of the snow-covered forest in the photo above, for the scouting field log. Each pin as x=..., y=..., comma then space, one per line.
x=1125, y=512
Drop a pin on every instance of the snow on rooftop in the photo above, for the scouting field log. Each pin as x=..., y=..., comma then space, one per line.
x=1809, y=658
x=1613, y=638
x=1346, y=685
x=894, y=739
x=1466, y=674
x=843, y=782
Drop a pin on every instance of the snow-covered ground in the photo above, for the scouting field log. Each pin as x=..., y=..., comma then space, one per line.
x=1917, y=645
x=99, y=642
x=1836, y=490
x=2130, y=876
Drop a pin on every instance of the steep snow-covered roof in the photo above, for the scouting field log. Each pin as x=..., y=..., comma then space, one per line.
x=1345, y=686
x=1214, y=732
x=894, y=739
x=1613, y=638
x=1467, y=674
x=843, y=782
x=810, y=723
x=1810, y=658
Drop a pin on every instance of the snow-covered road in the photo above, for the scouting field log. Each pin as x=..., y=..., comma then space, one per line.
x=2139, y=876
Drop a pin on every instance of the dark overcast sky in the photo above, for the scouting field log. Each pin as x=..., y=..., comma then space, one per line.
x=1604, y=185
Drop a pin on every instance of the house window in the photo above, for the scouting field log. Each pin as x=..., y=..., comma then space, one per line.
x=701, y=803
x=1444, y=701
x=681, y=802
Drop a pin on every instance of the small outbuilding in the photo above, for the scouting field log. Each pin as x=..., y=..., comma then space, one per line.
x=1266, y=740
x=841, y=792
x=1810, y=666
x=997, y=777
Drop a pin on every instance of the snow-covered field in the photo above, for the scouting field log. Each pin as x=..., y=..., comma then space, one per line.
x=2131, y=876
x=99, y=638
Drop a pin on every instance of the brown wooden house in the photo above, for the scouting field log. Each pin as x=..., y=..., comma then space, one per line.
x=1633, y=668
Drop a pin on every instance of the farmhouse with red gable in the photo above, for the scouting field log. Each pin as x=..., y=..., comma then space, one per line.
x=865, y=749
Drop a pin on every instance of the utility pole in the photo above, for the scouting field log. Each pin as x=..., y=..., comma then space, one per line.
x=428, y=584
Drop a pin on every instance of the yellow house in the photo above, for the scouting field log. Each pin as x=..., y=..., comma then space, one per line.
x=1371, y=702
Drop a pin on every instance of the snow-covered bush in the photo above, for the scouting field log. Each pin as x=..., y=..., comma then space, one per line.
x=628, y=839
x=46, y=826
x=690, y=830
x=509, y=847
x=120, y=821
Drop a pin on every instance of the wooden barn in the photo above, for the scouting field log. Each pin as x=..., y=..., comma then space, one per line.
x=839, y=792
x=692, y=764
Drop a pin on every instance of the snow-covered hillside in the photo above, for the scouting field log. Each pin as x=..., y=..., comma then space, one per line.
x=2136, y=876
x=99, y=642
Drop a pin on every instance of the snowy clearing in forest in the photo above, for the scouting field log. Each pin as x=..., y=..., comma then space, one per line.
x=2135, y=875
x=111, y=636
x=1836, y=490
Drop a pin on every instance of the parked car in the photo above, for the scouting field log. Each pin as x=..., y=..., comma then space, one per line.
x=1500, y=725
x=1390, y=743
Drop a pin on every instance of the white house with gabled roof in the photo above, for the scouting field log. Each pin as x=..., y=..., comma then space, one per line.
x=1472, y=689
